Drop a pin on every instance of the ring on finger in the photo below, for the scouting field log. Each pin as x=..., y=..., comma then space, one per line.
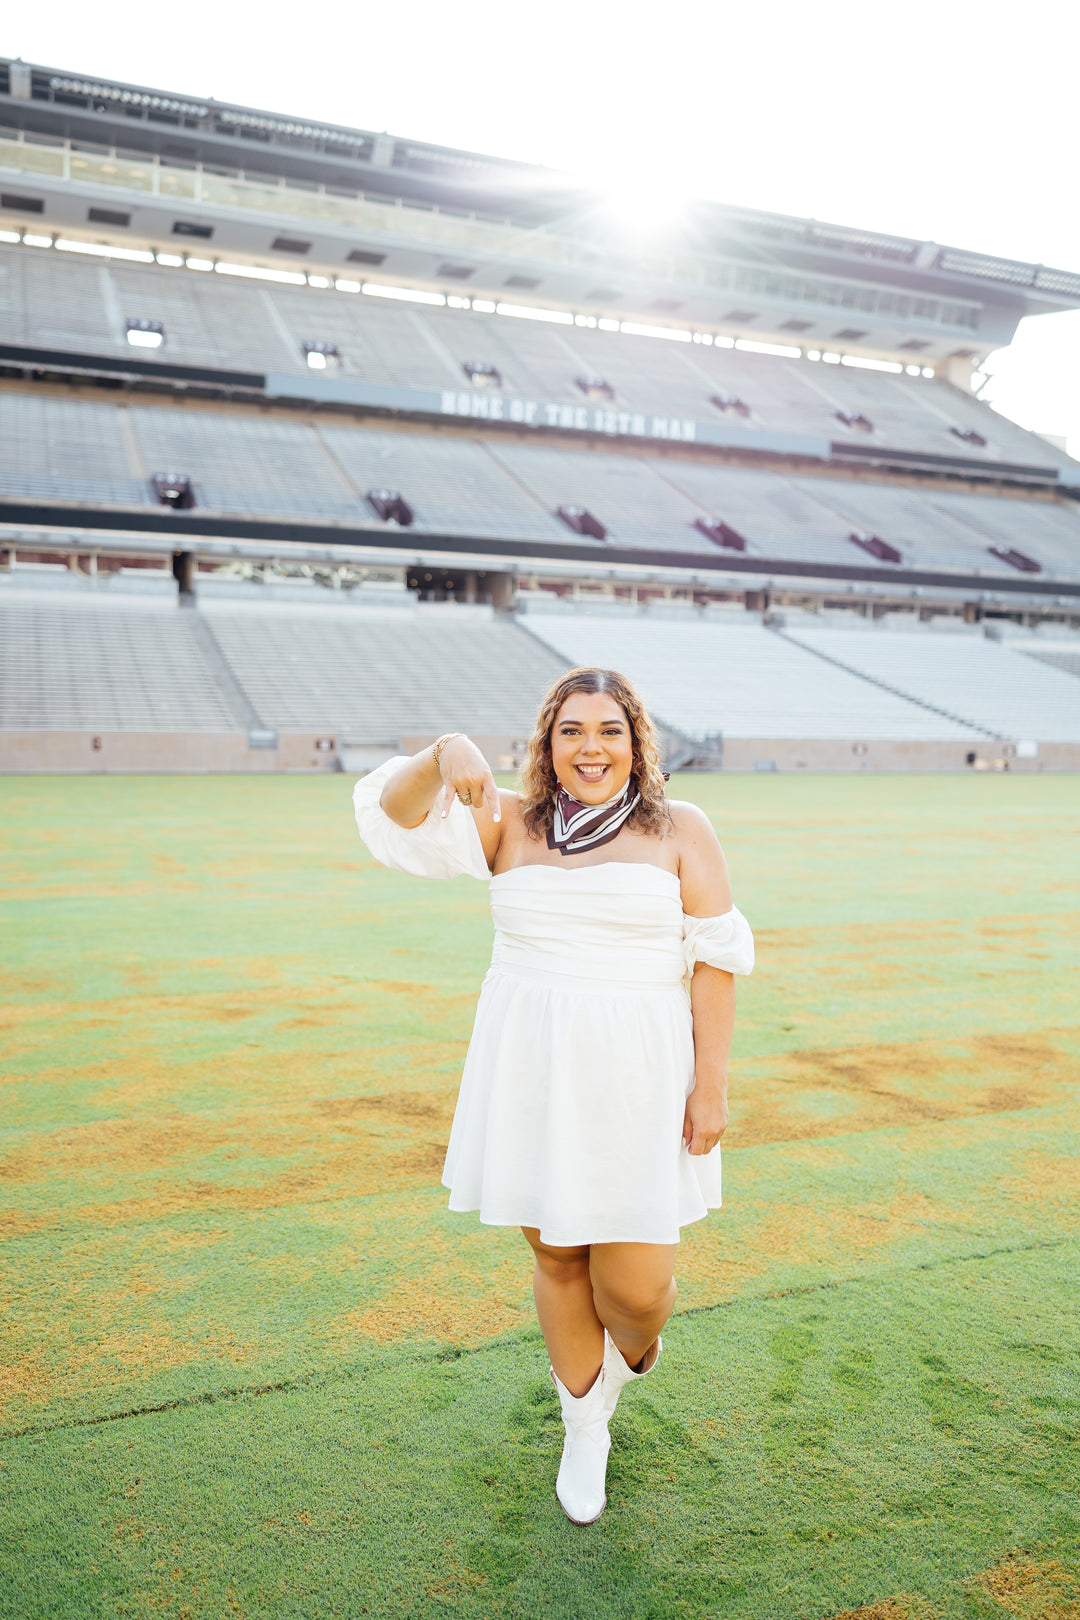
x=466, y=797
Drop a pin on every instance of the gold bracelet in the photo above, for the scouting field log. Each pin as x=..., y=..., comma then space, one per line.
x=438, y=746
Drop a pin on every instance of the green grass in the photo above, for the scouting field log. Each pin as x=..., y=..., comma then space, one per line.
x=254, y=1368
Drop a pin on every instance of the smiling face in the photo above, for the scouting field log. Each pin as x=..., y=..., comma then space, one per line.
x=592, y=747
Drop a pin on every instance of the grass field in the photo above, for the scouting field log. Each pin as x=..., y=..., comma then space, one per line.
x=254, y=1368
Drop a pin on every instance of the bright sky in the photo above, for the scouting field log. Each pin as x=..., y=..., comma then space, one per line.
x=935, y=118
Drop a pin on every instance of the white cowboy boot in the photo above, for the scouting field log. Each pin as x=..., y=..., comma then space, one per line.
x=615, y=1373
x=581, y=1486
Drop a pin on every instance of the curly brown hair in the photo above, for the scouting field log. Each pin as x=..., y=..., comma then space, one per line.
x=537, y=781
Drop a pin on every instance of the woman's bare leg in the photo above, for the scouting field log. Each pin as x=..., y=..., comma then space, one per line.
x=573, y=1333
x=633, y=1293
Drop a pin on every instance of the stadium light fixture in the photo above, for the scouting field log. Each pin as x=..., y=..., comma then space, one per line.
x=257, y=272
x=584, y=320
x=814, y=354
x=174, y=489
x=596, y=388
x=830, y=358
x=607, y=325
x=722, y=342
x=522, y=312
x=484, y=305
x=408, y=295
x=198, y=264
x=32, y=239
x=10, y=236
x=582, y=521
x=928, y=371
x=786, y=351
x=870, y=365
x=969, y=436
x=875, y=546
x=672, y=333
x=454, y=302
x=730, y=404
x=913, y=371
x=1016, y=559
x=720, y=533
x=322, y=356
x=346, y=285
x=391, y=506
x=174, y=261
x=482, y=374
x=145, y=334
x=318, y=281
x=855, y=419
x=99, y=250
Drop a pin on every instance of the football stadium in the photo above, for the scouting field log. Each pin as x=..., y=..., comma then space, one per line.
x=319, y=443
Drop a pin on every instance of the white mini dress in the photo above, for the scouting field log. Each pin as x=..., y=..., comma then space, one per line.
x=570, y=1113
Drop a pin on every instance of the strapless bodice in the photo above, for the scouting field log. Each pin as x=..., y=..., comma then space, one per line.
x=618, y=923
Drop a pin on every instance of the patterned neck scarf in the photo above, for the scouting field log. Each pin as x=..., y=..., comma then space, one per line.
x=577, y=827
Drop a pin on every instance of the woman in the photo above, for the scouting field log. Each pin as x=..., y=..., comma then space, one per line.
x=594, y=1093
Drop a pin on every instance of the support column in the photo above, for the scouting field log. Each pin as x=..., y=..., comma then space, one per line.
x=502, y=589
x=957, y=369
x=184, y=566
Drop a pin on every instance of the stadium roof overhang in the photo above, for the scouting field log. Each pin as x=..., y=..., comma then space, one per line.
x=440, y=218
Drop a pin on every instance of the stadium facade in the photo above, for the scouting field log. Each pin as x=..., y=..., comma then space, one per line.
x=363, y=404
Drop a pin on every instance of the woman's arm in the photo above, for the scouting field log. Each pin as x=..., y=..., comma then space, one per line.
x=706, y=892
x=712, y=1000
x=461, y=769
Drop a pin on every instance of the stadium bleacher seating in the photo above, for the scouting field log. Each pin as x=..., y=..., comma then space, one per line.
x=120, y=661
x=58, y=302
x=116, y=659
x=372, y=681
x=693, y=463
x=1066, y=658
x=454, y=485
x=252, y=465
x=243, y=467
x=745, y=680
x=64, y=450
x=986, y=681
x=72, y=663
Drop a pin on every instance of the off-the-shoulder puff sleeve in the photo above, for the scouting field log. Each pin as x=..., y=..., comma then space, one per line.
x=723, y=942
x=440, y=847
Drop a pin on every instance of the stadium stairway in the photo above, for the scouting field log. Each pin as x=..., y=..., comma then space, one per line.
x=996, y=688
x=887, y=686
x=1064, y=658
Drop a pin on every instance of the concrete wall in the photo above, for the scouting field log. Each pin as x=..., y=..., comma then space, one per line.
x=74, y=753
x=183, y=753
x=741, y=754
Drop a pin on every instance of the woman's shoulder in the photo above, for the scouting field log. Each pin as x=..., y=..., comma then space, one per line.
x=510, y=802
x=689, y=820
